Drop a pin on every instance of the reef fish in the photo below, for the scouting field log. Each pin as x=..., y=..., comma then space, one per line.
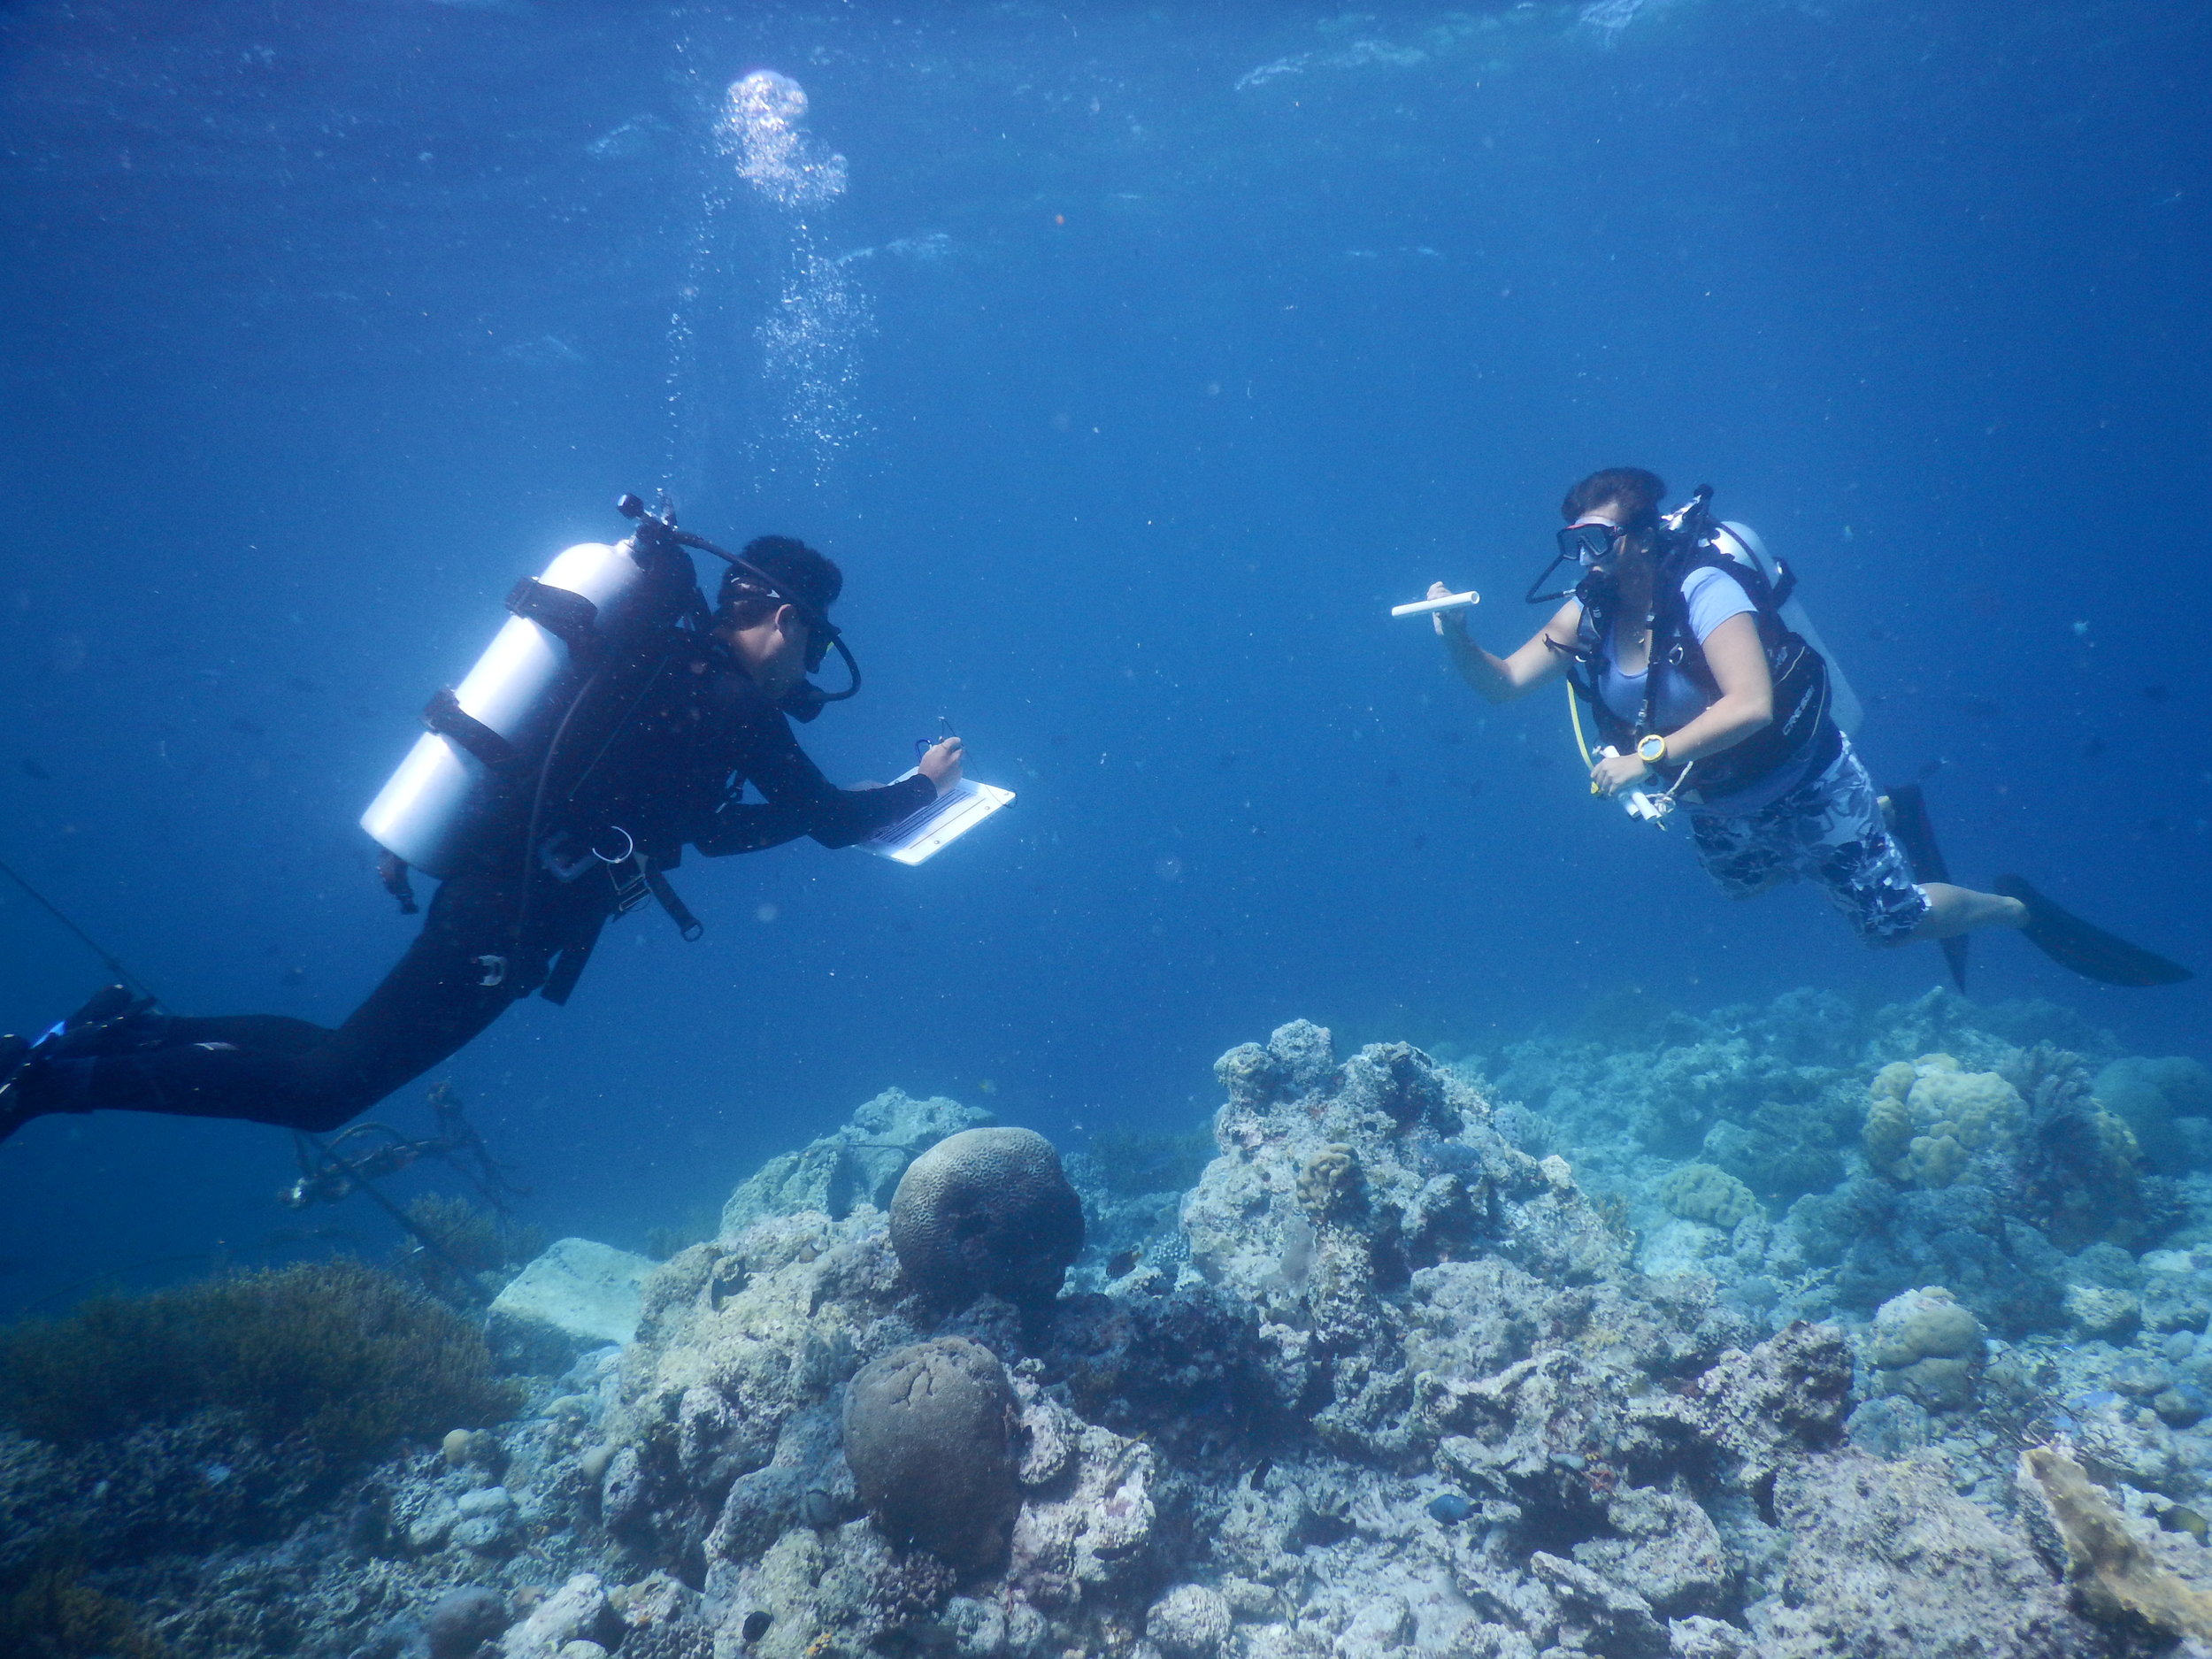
x=1451, y=1508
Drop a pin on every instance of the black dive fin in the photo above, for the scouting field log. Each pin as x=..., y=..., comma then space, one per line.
x=2089, y=951
x=1909, y=823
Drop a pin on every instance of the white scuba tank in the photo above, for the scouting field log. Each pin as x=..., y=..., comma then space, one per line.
x=1843, y=702
x=425, y=812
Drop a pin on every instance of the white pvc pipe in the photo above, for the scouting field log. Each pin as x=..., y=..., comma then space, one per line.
x=1449, y=602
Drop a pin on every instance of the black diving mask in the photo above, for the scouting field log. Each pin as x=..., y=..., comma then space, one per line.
x=1592, y=549
x=657, y=527
x=1590, y=545
x=807, y=699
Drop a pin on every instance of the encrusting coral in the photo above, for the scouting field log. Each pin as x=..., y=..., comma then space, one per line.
x=2115, y=1573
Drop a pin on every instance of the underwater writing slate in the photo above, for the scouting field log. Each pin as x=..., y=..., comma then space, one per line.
x=918, y=839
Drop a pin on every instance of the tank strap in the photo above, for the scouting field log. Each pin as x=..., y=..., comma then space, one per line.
x=391, y=870
x=569, y=617
x=445, y=716
x=568, y=966
x=689, y=926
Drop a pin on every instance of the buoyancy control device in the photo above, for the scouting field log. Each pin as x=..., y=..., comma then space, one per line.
x=496, y=723
x=1811, y=697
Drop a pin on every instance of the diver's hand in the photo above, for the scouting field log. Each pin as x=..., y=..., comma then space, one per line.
x=1450, y=623
x=1615, y=773
x=941, y=763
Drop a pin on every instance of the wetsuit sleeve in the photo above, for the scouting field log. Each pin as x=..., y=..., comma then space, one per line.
x=800, y=800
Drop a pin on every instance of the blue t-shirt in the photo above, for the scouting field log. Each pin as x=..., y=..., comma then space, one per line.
x=1712, y=597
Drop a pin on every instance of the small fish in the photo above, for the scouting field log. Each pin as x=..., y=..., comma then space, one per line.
x=1980, y=708
x=293, y=976
x=2156, y=692
x=1121, y=1263
x=1451, y=1508
x=301, y=683
x=1260, y=1473
x=248, y=727
x=545, y=352
x=32, y=769
x=1929, y=768
x=2180, y=1520
x=2093, y=747
x=640, y=136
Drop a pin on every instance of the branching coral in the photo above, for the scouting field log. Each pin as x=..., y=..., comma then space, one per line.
x=2078, y=1180
x=344, y=1357
x=53, y=1614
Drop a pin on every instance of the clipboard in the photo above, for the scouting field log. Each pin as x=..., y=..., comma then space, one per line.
x=920, y=837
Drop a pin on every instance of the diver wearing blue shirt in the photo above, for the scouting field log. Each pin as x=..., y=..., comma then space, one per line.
x=1674, y=637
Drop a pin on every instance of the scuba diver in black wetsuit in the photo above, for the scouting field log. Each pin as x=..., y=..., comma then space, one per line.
x=1706, y=698
x=678, y=713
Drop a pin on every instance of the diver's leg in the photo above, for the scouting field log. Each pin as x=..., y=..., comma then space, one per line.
x=1743, y=856
x=1954, y=911
x=1846, y=850
x=268, y=1069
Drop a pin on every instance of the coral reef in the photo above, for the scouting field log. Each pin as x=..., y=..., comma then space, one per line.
x=1725, y=1339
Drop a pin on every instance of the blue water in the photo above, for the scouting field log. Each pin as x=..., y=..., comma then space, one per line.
x=1151, y=354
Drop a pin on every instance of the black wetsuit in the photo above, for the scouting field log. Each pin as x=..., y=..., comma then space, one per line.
x=657, y=760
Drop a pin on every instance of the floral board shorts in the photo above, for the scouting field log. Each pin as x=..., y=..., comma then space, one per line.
x=1828, y=831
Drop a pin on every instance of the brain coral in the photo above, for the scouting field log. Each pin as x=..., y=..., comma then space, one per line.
x=1926, y=1120
x=987, y=1211
x=1927, y=1344
x=929, y=1434
x=1699, y=1192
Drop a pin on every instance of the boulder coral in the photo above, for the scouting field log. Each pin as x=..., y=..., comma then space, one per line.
x=1925, y=1119
x=1925, y=1344
x=987, y=1211
x=1699, y=1192
x=929, y=1435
